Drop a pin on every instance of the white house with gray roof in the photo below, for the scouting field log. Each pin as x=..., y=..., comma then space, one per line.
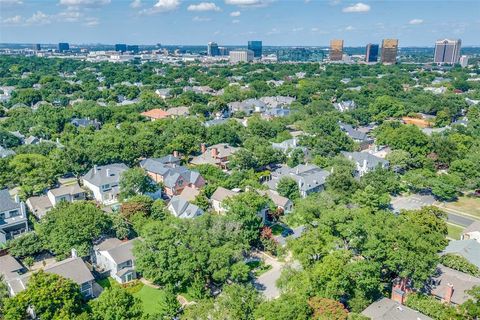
x=115, y=257
x=181, y=208
x=310, y=178
x=13, y=217
x=104, y=181
x=365, y=162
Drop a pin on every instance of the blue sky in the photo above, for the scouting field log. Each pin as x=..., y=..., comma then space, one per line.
x=276, y=22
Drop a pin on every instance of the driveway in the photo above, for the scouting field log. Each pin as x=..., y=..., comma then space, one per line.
x=297, y=232
x=266, y=283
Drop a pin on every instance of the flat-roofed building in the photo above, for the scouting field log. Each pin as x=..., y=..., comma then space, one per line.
x=389, y=51
x=237, y=56
x=447, y=51
x=336, y=50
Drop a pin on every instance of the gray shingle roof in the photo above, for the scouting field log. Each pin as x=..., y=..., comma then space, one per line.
x=171, y=174
x=98, y=175
x=460, y=281
x=67, y=189
x=184, y=209
x=9, y=266
x=307, y=176
x=387, y=309
x=469, y=249
x=353, y=133
x=73, y=269
x=122, y=252
x=372, y=161
x=6, y=201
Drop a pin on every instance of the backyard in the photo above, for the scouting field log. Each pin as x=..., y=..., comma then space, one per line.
x=454, y=231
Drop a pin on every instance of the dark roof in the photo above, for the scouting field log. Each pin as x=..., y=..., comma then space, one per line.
x=98, y=174
x=6, y=201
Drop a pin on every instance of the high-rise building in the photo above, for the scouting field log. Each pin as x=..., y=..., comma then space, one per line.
x=63, y=46
x=241, y=56
x=256, y=47
x=336, y=50
x=447, y=51
x=464, y=61
x=389, y=51
x=371, y=53
x=133, y=48
x=121, y=47
x=37, y=47
x=212, y=49
x=223, y=51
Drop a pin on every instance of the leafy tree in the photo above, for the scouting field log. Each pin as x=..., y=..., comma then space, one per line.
x=289, y=306
x=115, y=303
x=33, y=172
x=135, y=181
x=445, y=186
x=287, y=187
x=371, y=198
x=51, y=296
x=238, y=302
x=327, y=309
x=296, y=157
x=461, y=264
x=26, y=245
x=136, y=204
x=72, y=226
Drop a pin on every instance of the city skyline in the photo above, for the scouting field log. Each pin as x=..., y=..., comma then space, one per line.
x=232, y=22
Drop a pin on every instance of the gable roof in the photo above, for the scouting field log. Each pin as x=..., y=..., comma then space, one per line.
x=181, y=208
x=460, y=281
x=9, y=266
x=469, y=249
x=308, y=176
x=6, y=201
x=361, y=157
x=189, y=193
x=122, y=252
x=98, y=174
x=474, y=226
x=67, y=189
x=155, y=114
x=222, y=193
x=73, y=269
x=277, y=199
x=387, y=309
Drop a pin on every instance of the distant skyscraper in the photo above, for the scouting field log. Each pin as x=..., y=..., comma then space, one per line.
x=132, y=48
x=389, y=51
x=63, y=46
x=223, y=51
x=371, y=54
x=212, y=49
x=256, y=47
x=336, y=50
x=447, y=51
x=121, y=47
x=241, y=56
x=37, y=47
x=464, y=61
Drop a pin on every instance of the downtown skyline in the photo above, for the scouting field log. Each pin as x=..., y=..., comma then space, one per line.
x=231, y=22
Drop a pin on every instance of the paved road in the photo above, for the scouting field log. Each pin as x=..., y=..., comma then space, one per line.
x=458, y=219
x=266, y=283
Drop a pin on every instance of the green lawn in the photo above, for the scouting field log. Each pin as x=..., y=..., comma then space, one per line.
x=454, y=231
x=107, y=282
x=467, y=205
x=277, y=229
x=152, y=299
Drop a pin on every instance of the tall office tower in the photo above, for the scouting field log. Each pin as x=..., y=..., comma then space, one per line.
x=464, y=61
x=132, y=48
x=336, y=50
x=371, y=54
x=223, y=51
x=121, y=47
x=389, y=51
x=241, y=56
x=212, y=49
x=37, y=47
x=447, y=51
x=256, y=47
x=63, y=46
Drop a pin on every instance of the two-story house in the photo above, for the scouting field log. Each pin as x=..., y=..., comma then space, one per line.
x=218, y=155
x=115, y=257
x=40, y=205
x=365, y=162
x=181, y=208
x=13, y=217
x=104, y=181
x=173, y=176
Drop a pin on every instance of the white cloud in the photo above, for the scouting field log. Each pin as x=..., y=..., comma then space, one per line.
x=136, y=4
x=162, y=6
x=70, y=16
x=13, y=20
x=248, y=3
x=84, y=3
x=358, y=7
x=91, y=22
x=349, y=28
x=39, y=18
x=11, y=2
x=235, y=14
x=416, y=21
x=201, y=19
x=203, y=6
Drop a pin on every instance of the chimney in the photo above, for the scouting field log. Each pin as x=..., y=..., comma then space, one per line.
x=214, y=152
x=175, y=153
x=365, y=163
x=398, y=295
x=448, y=293
x=17, y=198
x=74, y=253
x=203, y=147
x=108, y=172
x=95, y=169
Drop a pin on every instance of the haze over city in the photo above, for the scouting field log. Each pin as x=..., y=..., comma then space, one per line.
x=295, y=22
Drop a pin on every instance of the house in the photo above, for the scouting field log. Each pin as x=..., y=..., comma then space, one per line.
x=310, y=178
x=189, y=193
x=358, y=136
x=173, y=176
x=471, y=232
x=469, y=249
x=115, y=257
x=218, y=155
x=215, y=122
x=178, y=112
x=345, y=106
x=72, y=268
x=13, y=217
x=104, y=181
x=32, y=140
x=181, y=208
x=282, y=203
x=387, y=309
x=6, y=152
x=365, y=162
x=155, y=114
x=287, y=146
x=277, y=112
x=85, y=123
x=451, y=286
x=10, y=269
x=219, y=196
x=39, y=206
x=164, y=93
x=277, y=101
x=247, y=107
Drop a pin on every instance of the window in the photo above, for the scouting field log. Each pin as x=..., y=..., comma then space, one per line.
x=2, y=215
x=13, y=213
x=106, y=187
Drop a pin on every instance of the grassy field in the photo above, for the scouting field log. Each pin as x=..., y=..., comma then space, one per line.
x=454, y=231
x=467, y=205
x=152, y=299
